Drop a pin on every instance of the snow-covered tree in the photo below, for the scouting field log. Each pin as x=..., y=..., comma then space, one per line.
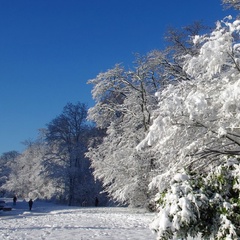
x=198, y=120
x=68, y=136
x=28, y=178
x=7, y=160
x=196, y=127
x=124, y=104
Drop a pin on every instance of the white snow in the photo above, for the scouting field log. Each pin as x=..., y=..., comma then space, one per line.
x=50, y=221
x=179, y=177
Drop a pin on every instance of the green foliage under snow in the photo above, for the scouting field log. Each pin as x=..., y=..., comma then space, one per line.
x=207, y=204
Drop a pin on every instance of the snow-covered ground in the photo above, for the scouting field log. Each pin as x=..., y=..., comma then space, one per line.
x=48, y=221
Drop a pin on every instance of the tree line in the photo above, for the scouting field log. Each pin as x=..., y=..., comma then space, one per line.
x=55, y=166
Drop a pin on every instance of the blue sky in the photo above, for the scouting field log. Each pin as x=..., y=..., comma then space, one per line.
x=50, y=48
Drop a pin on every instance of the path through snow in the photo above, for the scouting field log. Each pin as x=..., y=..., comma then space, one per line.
x=49, y=221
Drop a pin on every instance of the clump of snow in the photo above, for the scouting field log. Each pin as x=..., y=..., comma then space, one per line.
x=222, y=132
x=179, y=177
x=226, y=228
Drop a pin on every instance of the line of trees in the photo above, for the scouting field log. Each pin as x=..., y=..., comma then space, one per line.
x=54, y=166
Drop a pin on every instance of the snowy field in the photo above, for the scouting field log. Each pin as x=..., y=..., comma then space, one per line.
x=50, y=221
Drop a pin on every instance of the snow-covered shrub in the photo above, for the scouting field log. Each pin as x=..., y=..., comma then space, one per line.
x=207, y=204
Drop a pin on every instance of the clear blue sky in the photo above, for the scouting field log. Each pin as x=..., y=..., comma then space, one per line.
x=50, y=48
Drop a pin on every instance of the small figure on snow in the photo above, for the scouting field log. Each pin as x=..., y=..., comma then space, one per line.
x=14, y=200
x=30, y=203
x=84, y=203
x=96, y=202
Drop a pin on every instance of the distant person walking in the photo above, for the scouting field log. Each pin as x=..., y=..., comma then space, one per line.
x=30, y=203
x=96, y=202
x=14, y=200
